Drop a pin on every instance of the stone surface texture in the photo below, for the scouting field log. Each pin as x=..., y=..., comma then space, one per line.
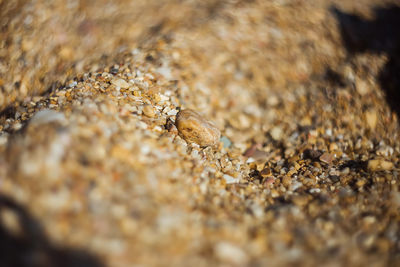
x=194, y=128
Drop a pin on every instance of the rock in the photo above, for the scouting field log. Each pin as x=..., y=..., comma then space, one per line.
x=239, y=121
x=194, y=128
x=46, y=116
x=312, y=154
x=286, y=181
x=327, y=158
x=227, y=252
x=333, y=147
x=229, y=179
x=149, y=111
x=170, y=127
x=379, y=165
x=250, y=151
x=276, y=133
x=272, y=100
x=266, y=172
x=362, y=87
x=386, y=165
x=371, y=117
x=121, y=83
x=226, y=141
x=269, y=181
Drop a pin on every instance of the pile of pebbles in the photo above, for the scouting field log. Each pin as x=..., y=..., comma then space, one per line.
x=217, y=140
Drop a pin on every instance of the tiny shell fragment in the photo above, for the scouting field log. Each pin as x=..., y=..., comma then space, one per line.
x=194, y=128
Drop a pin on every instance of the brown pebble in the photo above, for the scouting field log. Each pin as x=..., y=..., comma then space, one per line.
x=194, y=128
x=259, y=155
x=250, y=151
x=149, y=111
x=266, y=172
x=333, y=147
x=269, y=181
x=327, y=158
x=286, y=181
x=170, y=127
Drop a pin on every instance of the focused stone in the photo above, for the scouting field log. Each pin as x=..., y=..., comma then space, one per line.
x=194, y=128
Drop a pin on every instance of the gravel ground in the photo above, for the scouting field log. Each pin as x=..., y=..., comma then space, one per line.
x=196, y=133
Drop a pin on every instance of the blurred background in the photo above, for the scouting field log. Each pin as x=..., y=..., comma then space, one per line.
x=45, y=43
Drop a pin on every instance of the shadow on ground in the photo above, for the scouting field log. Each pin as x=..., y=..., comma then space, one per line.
x=23, y=242
x=380, y=35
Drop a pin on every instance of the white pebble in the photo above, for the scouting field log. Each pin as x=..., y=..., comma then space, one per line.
x=46, y=116
x=228, y=252
x=120, y=83
x=229, y=179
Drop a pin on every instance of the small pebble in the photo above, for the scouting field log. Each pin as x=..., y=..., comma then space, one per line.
x=362, y=87
x=269, y=181
x=170, y=127
x=194, y=128
x=46, y=116
x=149, y=111
x=266, y=172
x=379, y=165
x=276, y=133
x=120, y=83
x=227, y=252
x=327, y=158
x=229, y=179
x=333, y=147
x=250, y=151
x=371, y=117
x=226, y=141
x=286, y=181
